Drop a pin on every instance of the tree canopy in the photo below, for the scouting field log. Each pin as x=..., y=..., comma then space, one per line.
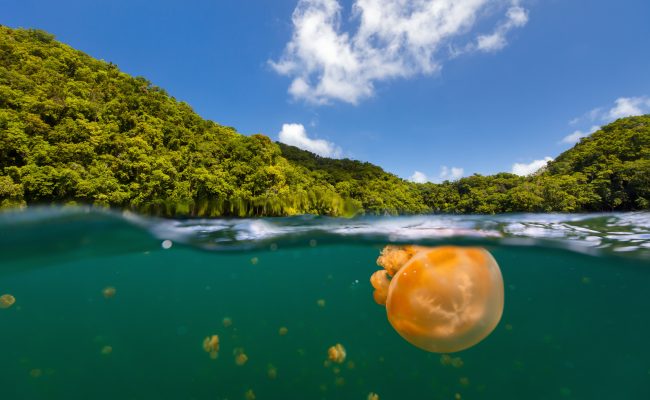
x=74, y=129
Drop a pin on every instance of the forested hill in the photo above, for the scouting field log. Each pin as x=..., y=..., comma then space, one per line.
x=76, y=130
x=606, y=171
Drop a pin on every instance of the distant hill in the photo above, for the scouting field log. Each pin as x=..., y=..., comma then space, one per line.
x=74, y=130
x=606, y=171
x=614, y=162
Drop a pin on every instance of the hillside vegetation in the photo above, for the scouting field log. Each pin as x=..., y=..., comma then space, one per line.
x=74, y=130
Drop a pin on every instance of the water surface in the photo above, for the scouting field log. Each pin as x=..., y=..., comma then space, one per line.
x=575, y=325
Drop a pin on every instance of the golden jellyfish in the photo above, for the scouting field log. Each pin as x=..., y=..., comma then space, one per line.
x=283, y=331
x=211, y=346
x=249, y=395
x=440, y=299
x=240, y=357
x=109, y=292
x=106, y=350
x=271, y=371
x=227, y=322
x=373, y=396
x=7, y=300
x=320, y=303
x=336, y=353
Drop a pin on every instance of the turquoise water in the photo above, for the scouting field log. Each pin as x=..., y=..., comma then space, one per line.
x=576, y=322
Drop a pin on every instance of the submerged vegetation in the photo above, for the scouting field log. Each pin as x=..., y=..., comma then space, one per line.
x=74, y=129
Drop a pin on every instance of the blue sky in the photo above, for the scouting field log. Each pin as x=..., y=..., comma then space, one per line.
x=445, y=88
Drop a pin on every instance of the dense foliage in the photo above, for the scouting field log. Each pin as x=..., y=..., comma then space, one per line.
x=74, y=129
x=608, y=170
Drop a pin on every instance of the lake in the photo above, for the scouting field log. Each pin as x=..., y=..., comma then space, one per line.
x=113, y=305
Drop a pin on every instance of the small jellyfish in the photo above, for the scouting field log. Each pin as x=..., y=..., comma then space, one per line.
x=339, y=381
x=106, y=350
x=36, y=373
x=211, y=346
x=227, y=322
x=166, y=244
x=249, y=395
x=109, y=292
x=464, y=381
x=373, y=396
x=7, y=300
x=440, y=299
x=336, y=353
x=271, y=372
x=240, y=357
x=255, y=260
x=457, y=362
x=283, y=331
x=320, y=303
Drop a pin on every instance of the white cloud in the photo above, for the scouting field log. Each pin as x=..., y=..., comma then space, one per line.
x=418, y=177
x=623, y=107
x=527, y=169
x=295, y=135
x=392, y=39
x=516, y=18
x=446, y=174
x=578, y=134
x=451, y=174
x=628, y=106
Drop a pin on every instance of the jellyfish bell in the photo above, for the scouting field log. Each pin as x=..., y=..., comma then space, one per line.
x=337, y=353
x=7, y=300
x=442, y=299
x=211, y=346
x=109, y=292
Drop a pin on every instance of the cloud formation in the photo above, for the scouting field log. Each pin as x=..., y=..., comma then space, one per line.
x=419, y=177
x=296, y=135
x=393, y=39
x=527, y=169
x=623, y=107
x=446, y=174
x=629, y=106
x=516, y=17
x=578, y=134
